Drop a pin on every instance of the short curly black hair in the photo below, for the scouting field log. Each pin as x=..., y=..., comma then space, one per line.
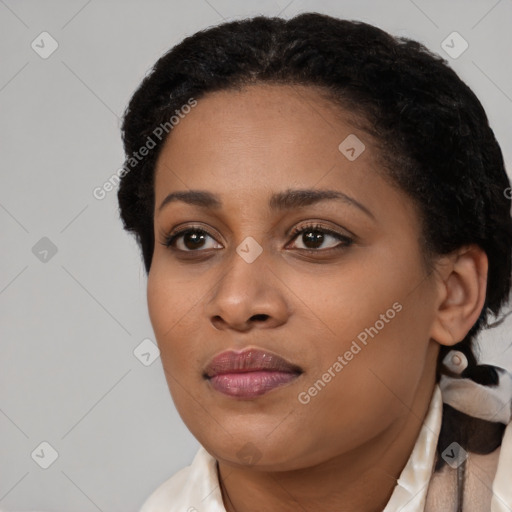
x=431, y=131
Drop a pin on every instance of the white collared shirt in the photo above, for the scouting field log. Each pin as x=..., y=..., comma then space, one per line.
x=195, y=488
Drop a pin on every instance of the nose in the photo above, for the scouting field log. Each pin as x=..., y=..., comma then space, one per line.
x=248, y=295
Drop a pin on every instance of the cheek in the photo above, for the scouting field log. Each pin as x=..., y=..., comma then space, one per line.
x=373, y=378
x=377, y=317
x=174, y=306
x=171, y=295
x=372, y=297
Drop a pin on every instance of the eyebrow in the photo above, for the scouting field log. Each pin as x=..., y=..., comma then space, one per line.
x=287, y=200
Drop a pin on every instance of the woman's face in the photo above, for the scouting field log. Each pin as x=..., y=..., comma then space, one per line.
x=351, y=308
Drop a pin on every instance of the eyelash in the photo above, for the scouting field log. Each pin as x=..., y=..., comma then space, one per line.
x=345, y=241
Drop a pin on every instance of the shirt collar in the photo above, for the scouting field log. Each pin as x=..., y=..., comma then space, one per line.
x=410, y=492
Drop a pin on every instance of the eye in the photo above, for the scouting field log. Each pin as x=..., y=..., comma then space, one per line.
x=315, y=235
x=190, y=239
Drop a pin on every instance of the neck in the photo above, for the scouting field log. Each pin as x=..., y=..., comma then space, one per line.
x=362, y=479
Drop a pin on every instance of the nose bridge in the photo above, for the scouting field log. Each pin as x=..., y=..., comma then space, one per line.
x=246, y=289
x=244, y=270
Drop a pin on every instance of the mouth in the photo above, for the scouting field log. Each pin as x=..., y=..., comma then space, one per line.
x=250, y=373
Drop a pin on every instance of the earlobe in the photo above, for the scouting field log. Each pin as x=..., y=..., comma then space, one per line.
x=462, y=289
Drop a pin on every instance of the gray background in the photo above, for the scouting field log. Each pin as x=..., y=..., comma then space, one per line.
x=70, y=321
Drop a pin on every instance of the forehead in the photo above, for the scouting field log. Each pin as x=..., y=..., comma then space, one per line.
x=278, y=135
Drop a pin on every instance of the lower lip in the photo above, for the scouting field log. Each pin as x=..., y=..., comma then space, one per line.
x=250, y=384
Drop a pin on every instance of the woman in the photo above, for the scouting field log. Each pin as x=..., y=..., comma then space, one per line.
x=323, y=215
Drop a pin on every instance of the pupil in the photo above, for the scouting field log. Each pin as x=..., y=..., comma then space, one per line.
x=195, y=238
x=316, y=239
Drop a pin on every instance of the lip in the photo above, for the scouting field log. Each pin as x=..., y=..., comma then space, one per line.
x=249, y=373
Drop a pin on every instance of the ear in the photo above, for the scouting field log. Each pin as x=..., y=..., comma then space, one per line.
x=461, y=286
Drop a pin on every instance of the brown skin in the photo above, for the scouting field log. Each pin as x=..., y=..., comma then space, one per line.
x=345, y=449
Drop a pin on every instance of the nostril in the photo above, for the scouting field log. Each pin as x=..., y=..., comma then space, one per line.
x=259, y=317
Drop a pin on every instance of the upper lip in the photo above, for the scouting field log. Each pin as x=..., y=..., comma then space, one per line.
x=248, y=360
